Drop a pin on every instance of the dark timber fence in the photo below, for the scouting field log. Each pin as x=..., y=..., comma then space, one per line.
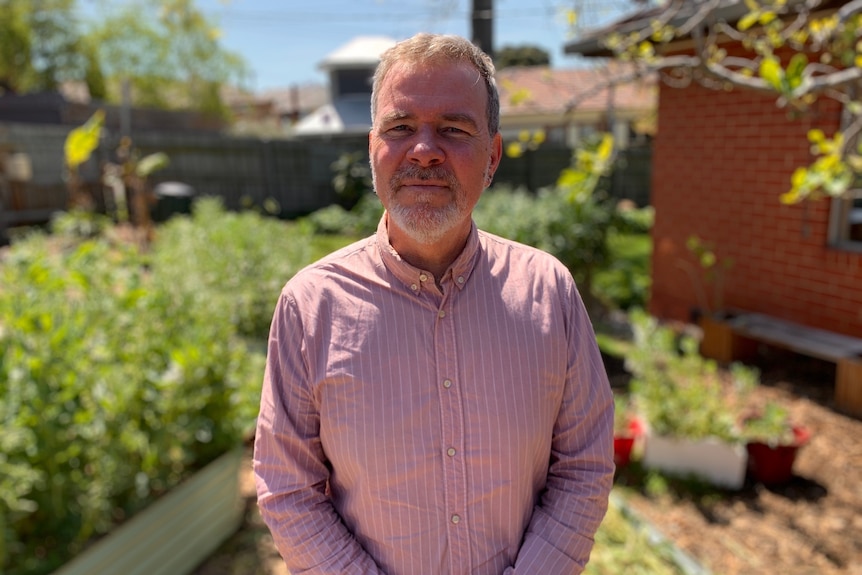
x=248, y=171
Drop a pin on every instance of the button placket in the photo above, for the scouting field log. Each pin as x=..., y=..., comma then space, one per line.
x=452, y=431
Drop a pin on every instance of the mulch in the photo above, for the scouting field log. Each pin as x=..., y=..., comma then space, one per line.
x=810, y=525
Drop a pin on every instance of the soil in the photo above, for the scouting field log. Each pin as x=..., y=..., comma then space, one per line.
x=810, y=525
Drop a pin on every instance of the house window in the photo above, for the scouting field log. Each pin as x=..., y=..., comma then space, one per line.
x=845, y=224
x=353, y=81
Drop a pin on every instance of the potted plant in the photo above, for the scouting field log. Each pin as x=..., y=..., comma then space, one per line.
x=772, y=442
x=628, y=429
x=708, y=276
x=690, y=406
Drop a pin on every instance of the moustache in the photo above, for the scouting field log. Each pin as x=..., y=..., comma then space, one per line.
x=412, y=172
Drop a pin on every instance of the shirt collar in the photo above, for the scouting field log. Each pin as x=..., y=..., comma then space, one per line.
x=414, y=278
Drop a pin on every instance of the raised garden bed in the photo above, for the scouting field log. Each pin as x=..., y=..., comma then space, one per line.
x=173, y=535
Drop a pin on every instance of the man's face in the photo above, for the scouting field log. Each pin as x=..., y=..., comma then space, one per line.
x=431, y=153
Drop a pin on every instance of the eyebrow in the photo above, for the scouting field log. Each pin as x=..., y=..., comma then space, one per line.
x=456, y=117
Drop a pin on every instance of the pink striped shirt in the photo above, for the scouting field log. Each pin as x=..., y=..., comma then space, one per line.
x=409, y=430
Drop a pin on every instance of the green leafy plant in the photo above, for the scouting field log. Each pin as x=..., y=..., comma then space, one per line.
x=351, y=178
x=240, y=260
x=624, y=283
x=627, y=420
x=571, y=220
x=770, y=424
x=78, y=147
x=360, y=221
x=623, y=545
x=680, y=393
x=707, y=275
x=122, y=372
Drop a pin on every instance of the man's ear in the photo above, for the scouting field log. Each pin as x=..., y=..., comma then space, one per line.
x=494, y=159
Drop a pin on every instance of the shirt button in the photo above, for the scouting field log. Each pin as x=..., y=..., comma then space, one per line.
x=456, y=519
x=447, y=383
x=461, y=279
x=423, y=278
x=414, y=287
x=441, y=314
x=450, y=452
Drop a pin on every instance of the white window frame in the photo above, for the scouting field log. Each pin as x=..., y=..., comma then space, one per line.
x=845, y=212
x=845, y=221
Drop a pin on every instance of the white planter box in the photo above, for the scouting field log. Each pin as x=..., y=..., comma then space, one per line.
x=718, y=462
x=176, y=533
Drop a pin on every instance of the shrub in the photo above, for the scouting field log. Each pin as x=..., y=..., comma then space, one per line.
x=122, y=372
x=238, y=261
x=578, y=232
x=574, y=231
x=624, y=283
x=360, y=221
x=351, y=178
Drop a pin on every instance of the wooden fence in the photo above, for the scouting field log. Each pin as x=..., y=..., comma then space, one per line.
x=296, y=174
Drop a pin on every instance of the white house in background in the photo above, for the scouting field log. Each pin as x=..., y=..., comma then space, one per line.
x=567, y=104
x=350, y=70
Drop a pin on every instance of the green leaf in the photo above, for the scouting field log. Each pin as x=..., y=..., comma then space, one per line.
x=151, y=163
x=83, y=140
x=795, y=70
x=748, y=21
x=767, y=17
x=772, y=73
x=606, y=147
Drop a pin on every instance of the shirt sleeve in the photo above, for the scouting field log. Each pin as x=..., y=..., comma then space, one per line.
x=561, y=532
x=290, y=467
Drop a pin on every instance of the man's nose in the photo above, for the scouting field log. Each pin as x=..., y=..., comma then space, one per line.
x=426, y=150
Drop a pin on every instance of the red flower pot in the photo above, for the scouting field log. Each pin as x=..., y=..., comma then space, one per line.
x=623, y=449
x=773, y=464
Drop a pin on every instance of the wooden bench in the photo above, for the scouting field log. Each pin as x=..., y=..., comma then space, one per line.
x=843, y=350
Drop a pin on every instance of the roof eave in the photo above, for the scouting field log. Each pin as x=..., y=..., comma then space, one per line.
x=592, y=44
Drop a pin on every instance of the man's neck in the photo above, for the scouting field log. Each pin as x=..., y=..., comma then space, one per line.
x=434, y=257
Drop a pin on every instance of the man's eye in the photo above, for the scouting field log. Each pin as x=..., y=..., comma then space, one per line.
x=399, y=128
x=453, y=130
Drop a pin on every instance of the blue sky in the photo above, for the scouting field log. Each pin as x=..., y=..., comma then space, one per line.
x=283, y=41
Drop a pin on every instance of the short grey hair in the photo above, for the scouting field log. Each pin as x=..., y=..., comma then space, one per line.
x=434, y=48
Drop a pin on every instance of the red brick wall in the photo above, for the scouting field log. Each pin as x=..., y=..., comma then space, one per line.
x=721, y=160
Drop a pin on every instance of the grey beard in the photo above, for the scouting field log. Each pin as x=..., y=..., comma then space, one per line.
x=424, y=224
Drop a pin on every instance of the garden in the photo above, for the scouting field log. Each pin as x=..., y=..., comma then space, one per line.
x=127, y=368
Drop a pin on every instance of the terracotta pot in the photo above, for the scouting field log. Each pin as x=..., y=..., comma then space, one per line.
x=773, y=464
x=623, y=449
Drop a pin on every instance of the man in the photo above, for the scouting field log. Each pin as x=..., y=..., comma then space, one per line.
x=434, y=400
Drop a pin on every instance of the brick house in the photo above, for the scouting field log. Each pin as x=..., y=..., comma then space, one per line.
x=721, y=159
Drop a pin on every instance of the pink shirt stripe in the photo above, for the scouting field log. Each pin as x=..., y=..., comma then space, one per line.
x=404, y=429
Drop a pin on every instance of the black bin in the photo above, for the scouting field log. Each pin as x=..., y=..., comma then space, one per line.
x=172, y=198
